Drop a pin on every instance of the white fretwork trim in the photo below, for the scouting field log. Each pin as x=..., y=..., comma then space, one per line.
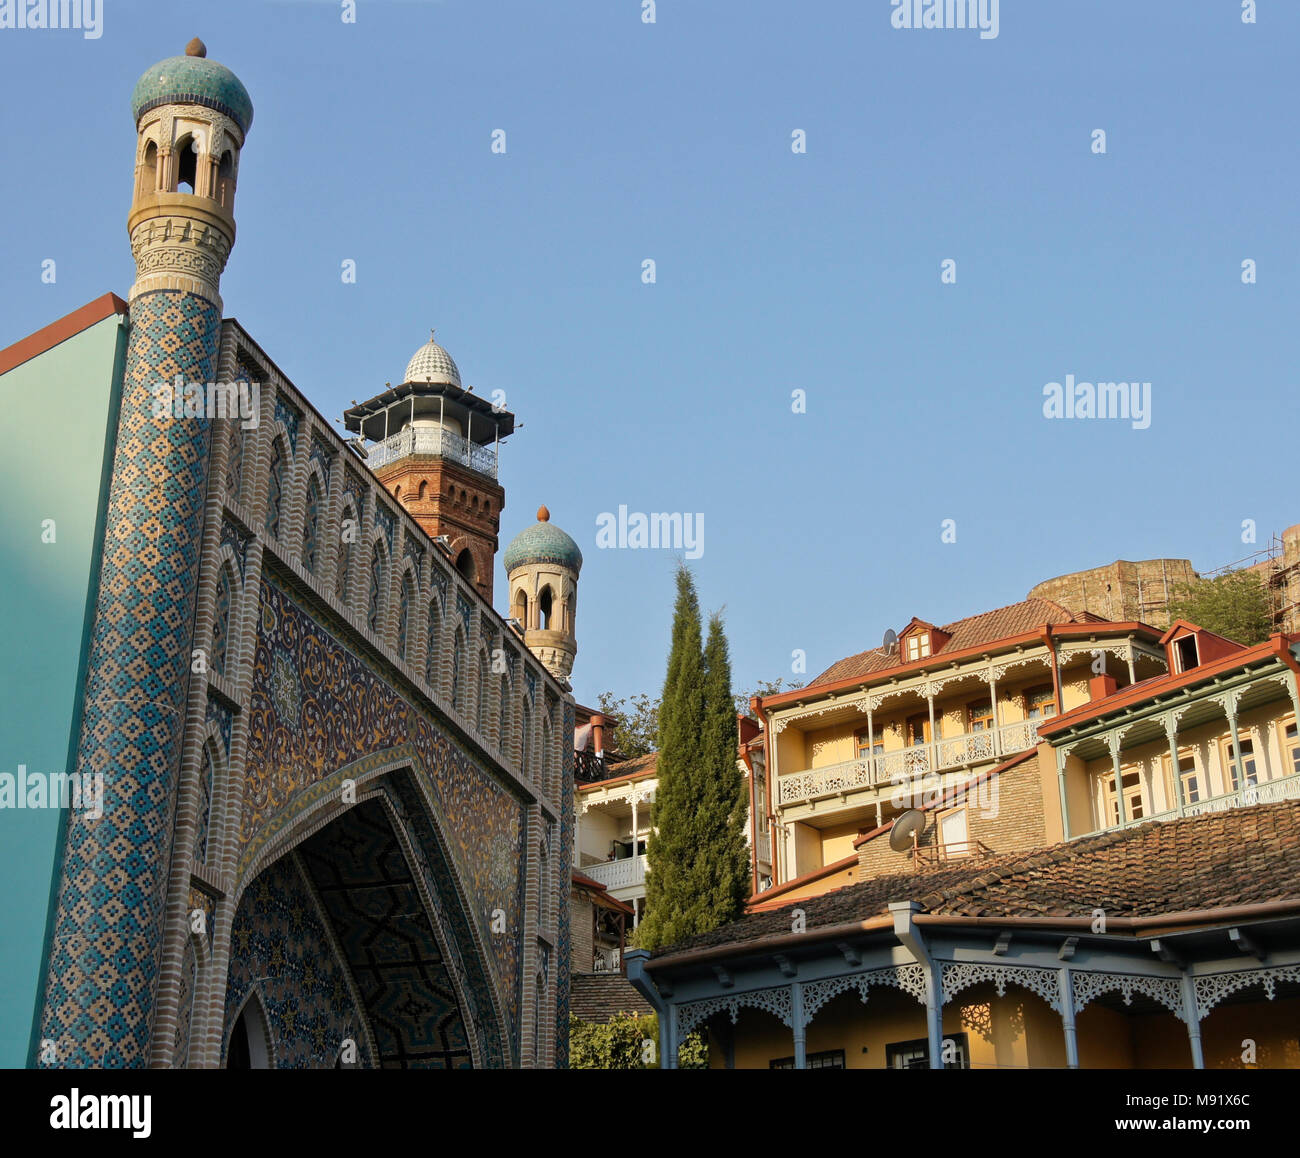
x=999, y=670
x=774, y=1001
x=1045, y=982
x=1212, y=990
x=1089, y=986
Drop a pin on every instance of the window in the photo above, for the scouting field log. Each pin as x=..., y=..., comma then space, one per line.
x=1290, y=747
x=544, y=609
x=826, y=1059
x=1135, y=807
x=979, y=716
x=953, y=835
x=917, y=730
x=1040, y=703
x=1187, y=775
x=1238, y=781
x=311, y=527
x=234, y=461
x=1185, y=653
x=457, y=684
x=208, y=775
x=431, y=655
x=347, y=532
x=375, y=603
x=915, y=1055
x=861, y=744
x=404, y=617
x=480, y=707
x=918, y=646
x=220, y=623
x=275, y=488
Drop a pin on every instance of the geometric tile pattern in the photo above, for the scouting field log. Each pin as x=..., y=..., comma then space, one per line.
x=279, y=944
x=104, y=956
x=564, y=948
x=343, y=718
x=368, y=890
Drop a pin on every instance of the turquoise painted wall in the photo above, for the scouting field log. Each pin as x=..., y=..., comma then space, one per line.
x=58, y=409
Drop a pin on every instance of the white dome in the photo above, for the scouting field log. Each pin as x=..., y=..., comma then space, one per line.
x=431, y=363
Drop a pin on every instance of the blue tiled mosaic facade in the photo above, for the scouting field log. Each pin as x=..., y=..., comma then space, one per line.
x=107, y=938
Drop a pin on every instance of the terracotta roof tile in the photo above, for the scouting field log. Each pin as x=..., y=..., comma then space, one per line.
x=1240, y=857
x=1014, y=619
x=598, y=997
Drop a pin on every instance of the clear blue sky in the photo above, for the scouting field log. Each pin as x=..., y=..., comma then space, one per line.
x=776, y=272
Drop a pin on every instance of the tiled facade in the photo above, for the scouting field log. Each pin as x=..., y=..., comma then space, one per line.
x=291, y=698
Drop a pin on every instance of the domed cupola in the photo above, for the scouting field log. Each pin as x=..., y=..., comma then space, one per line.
x=542, y=565
x=431, y=364
x=192, y=79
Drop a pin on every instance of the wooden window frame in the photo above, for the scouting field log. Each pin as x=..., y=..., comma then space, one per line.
x=1195, y=774
x=1110, y=809
x=860, y=740
x=923, y=644
x=971, y=717
x=1225, y=750
x=1288, y=750
x=787, y=1063
x=1027, y=705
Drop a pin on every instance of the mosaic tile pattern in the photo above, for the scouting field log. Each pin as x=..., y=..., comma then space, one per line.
x=369, y=892
x=104, y=956
x=343, y=719
x=289, y=416
x=237, y=539
x=384, y=521
x=279, y=944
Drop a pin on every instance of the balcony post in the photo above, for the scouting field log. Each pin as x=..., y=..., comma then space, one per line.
x=1193, y=1018
x=800, y=1030
x=1112, y=742
x=1171, y=732
x=1237, y=772
x=1132, y=671
x=934, y=742
x=1067, y=1018
x=635, y=829
x=871, y=745
x=992, y=681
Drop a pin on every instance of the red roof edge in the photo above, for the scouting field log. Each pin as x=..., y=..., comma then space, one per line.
x=34, y=345
x=1274, y=645
x=759, y=900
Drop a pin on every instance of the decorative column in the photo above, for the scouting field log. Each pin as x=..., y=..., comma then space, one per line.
x=1237, y=772
x=1171, y=733
x=1192, y=1016
x=1062, y=755
x=1112, y=742
x=1067, y=1019
x=1132, y=669
x=934, y=741
x=992, y=680
x=800, y=1030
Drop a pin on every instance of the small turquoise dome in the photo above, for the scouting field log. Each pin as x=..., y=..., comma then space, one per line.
x=542, y=543
x=193, y=80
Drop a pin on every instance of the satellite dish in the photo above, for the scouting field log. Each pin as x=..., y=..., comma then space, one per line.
x=910, y=824
x=891, y=641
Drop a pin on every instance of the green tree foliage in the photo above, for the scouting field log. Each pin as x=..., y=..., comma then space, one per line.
x=697, y=859
x=636, y=724
x=1234, y=604
x=764, y=688
x=629, y=1042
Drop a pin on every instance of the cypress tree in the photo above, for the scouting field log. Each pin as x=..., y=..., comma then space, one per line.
x=697, y=859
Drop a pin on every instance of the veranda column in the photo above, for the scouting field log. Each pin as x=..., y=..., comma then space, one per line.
x=1193, y=1019
x=800, y=1030
x=1112, y=742
x=1067, y=1019
x=1171, y=733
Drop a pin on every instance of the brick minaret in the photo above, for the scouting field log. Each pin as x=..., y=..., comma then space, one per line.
x=192, y=116
x=434, y=446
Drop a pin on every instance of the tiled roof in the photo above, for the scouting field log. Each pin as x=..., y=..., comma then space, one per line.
x=598, y=997
x=1016, y=619
x=1240, y=857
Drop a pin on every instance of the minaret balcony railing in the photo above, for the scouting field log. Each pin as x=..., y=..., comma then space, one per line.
x=434, y=444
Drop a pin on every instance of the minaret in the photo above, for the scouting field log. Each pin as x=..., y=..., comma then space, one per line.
x=542, y=565
x=434, y=446
x=191, y=116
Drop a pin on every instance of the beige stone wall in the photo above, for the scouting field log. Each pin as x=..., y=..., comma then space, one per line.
x=1122, y=590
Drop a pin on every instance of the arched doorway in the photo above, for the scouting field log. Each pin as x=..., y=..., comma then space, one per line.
x=349, y=944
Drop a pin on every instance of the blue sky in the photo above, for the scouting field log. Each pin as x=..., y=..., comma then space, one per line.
x=775, y=272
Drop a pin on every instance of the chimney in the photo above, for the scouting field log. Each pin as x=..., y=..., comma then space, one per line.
x=598, y=734
x=1099, y=687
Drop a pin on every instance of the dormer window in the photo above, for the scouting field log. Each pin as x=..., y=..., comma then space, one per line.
x=917, y=646
x=1186, y=653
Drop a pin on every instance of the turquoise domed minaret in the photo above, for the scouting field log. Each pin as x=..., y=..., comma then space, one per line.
x=100, y=1001
x=542, y=565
